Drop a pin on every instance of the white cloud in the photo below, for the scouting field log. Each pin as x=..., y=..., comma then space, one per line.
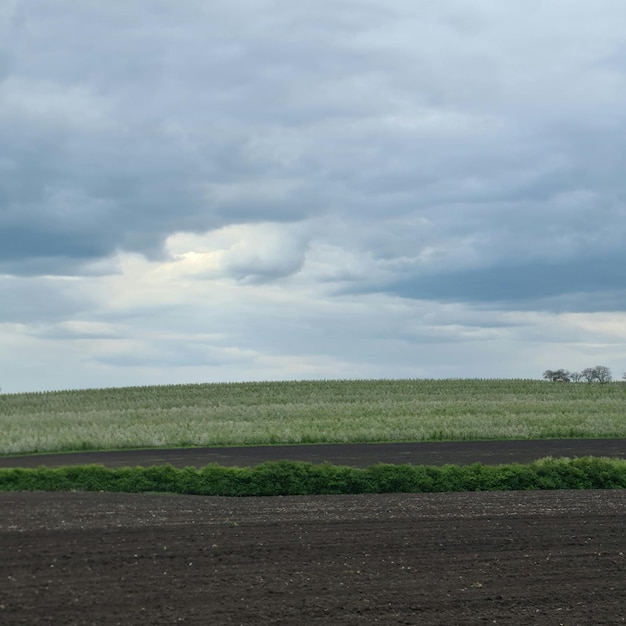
x=247, y=252
x=604, y=328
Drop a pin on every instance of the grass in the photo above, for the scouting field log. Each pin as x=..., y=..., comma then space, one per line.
x=308, y=412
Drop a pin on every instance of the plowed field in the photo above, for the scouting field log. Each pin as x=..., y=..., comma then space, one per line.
x=554, y=557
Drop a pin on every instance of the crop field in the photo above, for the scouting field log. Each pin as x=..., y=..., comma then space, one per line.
x=546, y=556
x=538, y=557
x=305, y=412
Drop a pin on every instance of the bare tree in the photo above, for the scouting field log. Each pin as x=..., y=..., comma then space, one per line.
x=603, y=374
x=599, y=373
x=588, y=374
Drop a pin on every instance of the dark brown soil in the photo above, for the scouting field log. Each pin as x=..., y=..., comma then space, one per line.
x=544, y=558
x=356, y=455
x=550, y=558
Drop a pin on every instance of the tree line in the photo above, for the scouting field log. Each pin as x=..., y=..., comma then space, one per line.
x=597, y=374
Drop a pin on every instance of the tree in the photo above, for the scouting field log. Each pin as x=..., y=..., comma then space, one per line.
x=603, y=374
x=561, y=375
x=576, y=376
x=599, y=373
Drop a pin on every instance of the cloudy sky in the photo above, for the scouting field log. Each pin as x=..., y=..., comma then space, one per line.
x=233, y=190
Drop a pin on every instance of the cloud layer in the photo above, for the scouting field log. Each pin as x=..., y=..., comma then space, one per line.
x=267, y=189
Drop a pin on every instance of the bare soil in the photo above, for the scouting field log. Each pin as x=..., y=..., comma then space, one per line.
x=552, y=557
x=355, y=455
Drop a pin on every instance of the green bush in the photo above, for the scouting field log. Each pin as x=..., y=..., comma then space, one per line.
x=385, y=478
x=296, y=478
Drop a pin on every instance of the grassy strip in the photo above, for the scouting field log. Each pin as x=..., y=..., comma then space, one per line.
x=281, y=478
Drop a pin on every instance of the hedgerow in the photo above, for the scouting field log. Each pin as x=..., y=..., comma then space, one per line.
x=281, y=478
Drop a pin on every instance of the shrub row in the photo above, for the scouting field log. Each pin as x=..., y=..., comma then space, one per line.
x=296, y=478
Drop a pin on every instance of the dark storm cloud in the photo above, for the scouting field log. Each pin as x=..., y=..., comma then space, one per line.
x=123, y=124
x=532, y=285
x=117, y=122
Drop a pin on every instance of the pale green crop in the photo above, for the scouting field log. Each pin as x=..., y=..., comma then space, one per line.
x=299, y=412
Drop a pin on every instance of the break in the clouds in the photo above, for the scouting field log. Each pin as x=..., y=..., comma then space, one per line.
x=261, y=189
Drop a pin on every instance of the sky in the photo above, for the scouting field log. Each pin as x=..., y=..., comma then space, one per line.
x=242, y=190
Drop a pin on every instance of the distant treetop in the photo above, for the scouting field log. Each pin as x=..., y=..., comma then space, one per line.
x=599, y=374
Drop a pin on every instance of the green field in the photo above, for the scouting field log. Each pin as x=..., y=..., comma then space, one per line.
x=308, y=412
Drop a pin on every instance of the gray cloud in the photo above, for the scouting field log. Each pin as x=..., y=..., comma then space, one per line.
x=532, y=285
x=39, y=300
x=123, y=135
x=459, y=152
